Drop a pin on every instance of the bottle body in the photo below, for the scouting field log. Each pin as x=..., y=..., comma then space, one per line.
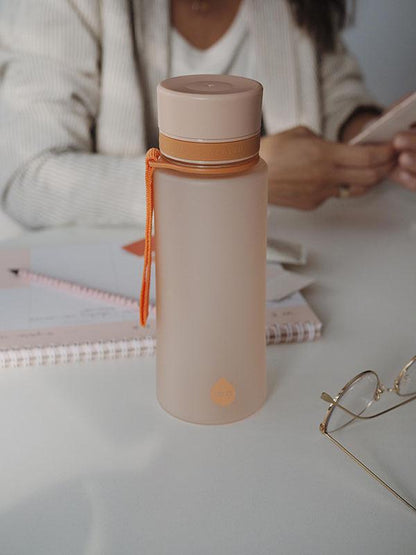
x=210, y=244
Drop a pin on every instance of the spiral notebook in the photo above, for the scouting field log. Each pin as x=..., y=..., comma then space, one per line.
x=42, y=325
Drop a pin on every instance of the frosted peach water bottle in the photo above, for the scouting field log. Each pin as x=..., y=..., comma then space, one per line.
x=208, y=188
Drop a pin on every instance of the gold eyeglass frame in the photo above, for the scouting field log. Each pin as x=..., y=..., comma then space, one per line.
x=379, y=390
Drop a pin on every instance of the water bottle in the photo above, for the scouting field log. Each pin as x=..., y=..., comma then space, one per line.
x=208, y=189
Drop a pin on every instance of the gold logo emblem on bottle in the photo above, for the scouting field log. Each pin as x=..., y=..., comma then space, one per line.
x=223, y=393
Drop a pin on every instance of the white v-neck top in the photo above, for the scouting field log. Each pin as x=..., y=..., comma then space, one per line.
x=232, y=54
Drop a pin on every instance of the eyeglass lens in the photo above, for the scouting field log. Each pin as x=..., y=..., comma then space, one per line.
x=407, y=384
x=357, y=398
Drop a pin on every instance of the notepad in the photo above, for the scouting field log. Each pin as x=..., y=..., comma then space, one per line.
x=41, y=325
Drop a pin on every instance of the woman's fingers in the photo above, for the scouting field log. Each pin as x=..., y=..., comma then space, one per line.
x=363, y=177
x=404, y=178
x=407, y=161
x=405, y=140
x=298, y=195
x=362, y=156
x=405, y=172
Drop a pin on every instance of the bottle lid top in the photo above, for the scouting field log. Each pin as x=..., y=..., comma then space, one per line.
x=209, y=107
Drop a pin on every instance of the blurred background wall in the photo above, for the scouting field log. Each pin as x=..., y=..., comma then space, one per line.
x=383, y=37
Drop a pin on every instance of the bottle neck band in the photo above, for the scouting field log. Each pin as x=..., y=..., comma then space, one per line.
x=209, y=153
x=164, y=163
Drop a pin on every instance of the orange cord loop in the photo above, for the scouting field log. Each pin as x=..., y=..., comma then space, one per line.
x=152, y=155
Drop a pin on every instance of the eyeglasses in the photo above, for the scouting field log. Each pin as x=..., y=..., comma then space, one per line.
x=356, y=397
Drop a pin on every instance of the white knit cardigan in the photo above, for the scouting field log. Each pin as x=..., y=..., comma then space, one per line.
x=77, y=100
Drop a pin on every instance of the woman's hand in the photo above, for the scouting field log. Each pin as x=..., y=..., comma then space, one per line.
x=405, y=171
x=305, y=170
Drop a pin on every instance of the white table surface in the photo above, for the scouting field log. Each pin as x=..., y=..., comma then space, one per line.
x=91, y=465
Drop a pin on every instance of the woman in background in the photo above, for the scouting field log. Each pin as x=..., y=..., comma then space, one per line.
x=77, y=100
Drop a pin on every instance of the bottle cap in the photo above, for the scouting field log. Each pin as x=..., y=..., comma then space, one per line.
x=209, y=109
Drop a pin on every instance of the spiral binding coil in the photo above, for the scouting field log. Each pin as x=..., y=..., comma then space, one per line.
x=108, y=350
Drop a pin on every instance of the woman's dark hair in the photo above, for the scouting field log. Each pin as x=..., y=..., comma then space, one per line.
x=322, y=19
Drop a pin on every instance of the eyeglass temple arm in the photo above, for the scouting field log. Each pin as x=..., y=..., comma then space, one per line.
x=327, y=398
x=370, y=472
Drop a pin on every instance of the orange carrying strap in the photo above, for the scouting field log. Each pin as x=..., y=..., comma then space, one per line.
x=154, y=160
x=152, y=155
